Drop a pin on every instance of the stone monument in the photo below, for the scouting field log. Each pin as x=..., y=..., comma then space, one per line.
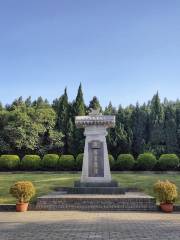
x=95, y=190
x=96, y=167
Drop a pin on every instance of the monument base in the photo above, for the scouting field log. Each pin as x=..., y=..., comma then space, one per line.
x=96, y=197
x=92, y=190
x=80, y=184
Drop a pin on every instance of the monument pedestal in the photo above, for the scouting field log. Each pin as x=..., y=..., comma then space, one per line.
x=96, y=167
x=79, y=184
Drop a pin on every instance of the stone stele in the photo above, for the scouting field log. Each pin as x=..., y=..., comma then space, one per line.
x=96, y=167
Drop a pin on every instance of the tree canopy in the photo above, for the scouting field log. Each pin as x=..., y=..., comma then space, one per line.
x=38, y=127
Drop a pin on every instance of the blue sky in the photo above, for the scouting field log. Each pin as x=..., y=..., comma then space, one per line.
x=120, y=50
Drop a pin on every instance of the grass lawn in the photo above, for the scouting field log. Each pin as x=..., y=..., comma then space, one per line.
x=45, y=182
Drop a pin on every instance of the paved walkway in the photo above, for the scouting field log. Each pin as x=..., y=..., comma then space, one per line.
x=89, y=225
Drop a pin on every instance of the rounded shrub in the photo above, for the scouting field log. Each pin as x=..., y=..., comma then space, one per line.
x=146, y=161
x=79, y=161
x=66, y=162
x=168, y=162
x=125, y=162
x=23, y=191
x=31, y=162
x=111, y=161
x=50, y=161
x=9, y=162
x=166, y=191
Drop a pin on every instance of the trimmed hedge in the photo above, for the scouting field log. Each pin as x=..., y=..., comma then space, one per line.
x=9, y=162
x=146, y=161
x=66, y=162
x=168, y=162
x=125, y=162
x=79, y=161
x=31, y=162
x=50, y=161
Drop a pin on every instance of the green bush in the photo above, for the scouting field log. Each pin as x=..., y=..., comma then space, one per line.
x=31, y=162
x=111, y=161
x=166, y=191
x=66, y=162
x=125, y=162
x=23, y=191
x=50, y=161
x=9, y=162
x=168, y=162
x=79, y=161
x=146, y=161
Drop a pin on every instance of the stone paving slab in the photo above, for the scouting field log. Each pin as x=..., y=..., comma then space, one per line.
x=89, y=225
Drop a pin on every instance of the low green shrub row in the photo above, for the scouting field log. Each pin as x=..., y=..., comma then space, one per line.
x=145, y=161
x=34, y=162
x=9, y=162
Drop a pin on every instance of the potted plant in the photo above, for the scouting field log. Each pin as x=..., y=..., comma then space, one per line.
x=166, y=193
x=23, y=191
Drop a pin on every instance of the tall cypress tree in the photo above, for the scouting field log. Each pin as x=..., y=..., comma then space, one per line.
x=139, y=128
x=70, y=136
x=63, y=110
x=122, y=135
x=111, y=137
x=178, y=123
x=28, y=101
x=61, y=106
x=79, y=110
x=170, y=130
x=79, y=106
x=156, y=125
x=110, y=110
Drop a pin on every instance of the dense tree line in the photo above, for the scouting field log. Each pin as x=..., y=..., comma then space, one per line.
x=38, y=127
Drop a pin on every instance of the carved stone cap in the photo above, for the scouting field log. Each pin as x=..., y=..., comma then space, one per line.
x=95, y=120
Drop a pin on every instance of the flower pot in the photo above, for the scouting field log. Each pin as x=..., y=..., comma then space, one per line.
x=166, y=207
x=21, y=207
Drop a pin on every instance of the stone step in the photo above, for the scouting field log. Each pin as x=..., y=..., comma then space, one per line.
x=92, y=190
x=125, y=202
x=113, y=183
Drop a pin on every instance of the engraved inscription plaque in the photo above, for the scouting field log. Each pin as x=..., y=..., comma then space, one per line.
x=96, y=159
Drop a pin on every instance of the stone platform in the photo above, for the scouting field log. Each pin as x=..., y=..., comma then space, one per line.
x=91, y=190
x=130, y=201
x=80, y=184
